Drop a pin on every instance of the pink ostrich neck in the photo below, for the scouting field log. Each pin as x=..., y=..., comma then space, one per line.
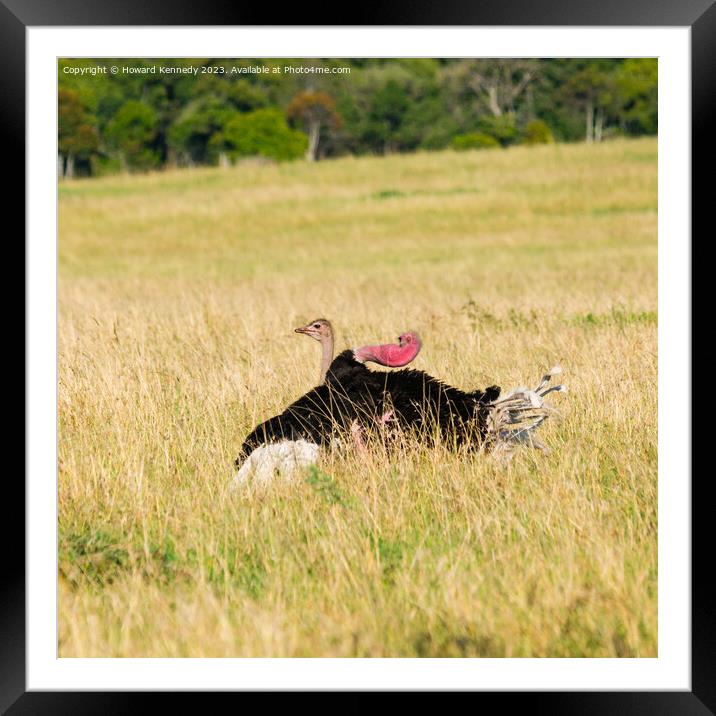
x=389, y=354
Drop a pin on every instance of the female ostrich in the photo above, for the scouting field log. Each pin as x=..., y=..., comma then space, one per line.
x=321, y=330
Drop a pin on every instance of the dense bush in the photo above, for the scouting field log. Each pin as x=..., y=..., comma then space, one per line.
x=537, y=132
x=263, y=133
x=503, y=128
x=474, y=140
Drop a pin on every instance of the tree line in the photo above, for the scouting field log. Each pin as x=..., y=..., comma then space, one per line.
x=215, y=112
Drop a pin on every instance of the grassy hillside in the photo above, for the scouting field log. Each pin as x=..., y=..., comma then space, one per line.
x=178, y=294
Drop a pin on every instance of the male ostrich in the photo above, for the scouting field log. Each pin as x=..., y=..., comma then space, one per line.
x=411, y=398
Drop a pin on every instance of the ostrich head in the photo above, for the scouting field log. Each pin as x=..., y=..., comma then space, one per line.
x=391, y=355
x=322, y=331
x=411, y=338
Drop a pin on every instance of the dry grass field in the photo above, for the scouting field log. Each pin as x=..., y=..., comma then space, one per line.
x=178, y=294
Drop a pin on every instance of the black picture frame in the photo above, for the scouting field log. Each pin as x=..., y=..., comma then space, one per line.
x=699, y=15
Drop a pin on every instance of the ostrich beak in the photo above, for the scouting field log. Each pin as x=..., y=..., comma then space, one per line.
x=308, y=331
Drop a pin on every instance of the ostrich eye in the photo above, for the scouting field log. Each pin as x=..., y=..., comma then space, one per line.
x=316, y=325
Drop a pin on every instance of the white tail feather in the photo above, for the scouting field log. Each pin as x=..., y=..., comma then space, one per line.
x=283, y=459
x=518, y=414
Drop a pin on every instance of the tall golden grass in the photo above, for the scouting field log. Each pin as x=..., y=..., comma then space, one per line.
x=178, y=293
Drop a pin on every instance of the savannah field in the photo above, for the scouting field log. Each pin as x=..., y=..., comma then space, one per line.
x=178, y=295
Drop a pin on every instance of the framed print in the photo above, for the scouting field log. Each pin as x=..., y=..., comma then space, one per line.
x=507, y=191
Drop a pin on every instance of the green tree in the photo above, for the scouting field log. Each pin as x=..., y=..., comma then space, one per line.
x=592, y=89
x=385, y=116
x=189, y=138
x=497, y=85
x=261, y=133
x=363, y=103
x=314, y=112
x=246, y=96
x=427, y=125
x=637, y=83
x=77, y=136
x=560, y=97
x=131, y=134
